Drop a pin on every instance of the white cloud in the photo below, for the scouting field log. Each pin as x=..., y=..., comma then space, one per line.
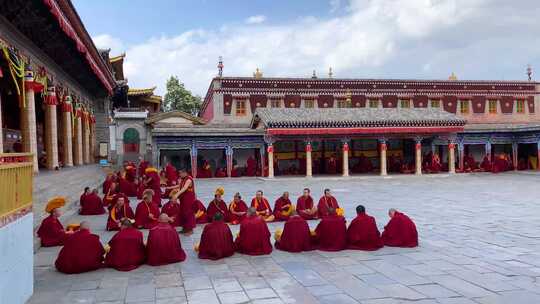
x=385, y=38
x=106, y=41
x=257, y=19
x=335, y=5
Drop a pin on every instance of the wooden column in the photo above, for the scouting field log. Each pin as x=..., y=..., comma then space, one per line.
x=28, y=119
x=461, y=150
x=51, y=136
x=85, y=138
x=345, y=159
x=382, y=149
x=270, y=151
x=67, y=134
x=193, y=154
x=77, y=140
x=418, y=156
x=309, y=161
x=451, y=158
x=515, y=155
x=229, y=159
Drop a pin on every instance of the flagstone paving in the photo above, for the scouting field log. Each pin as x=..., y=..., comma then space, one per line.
x=479, y=243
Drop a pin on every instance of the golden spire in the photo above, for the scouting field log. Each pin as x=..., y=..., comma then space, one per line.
x=330, y=73
x=452, y=76
x=258, y=74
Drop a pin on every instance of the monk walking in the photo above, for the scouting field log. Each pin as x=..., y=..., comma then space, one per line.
x=305, y=206
x=400, y=230
x=326, y=202
x=217, y=205
x=283, y=207
x=121, y=210
x=91, y=203
x=127, y=250
x=296, y=236
x=216, y=240
x=261, y=205
x=164, y=245
x=362, y=233
x=254, y=236
x=82, y=252
x=51, y=232
x=188, y=205
x=237, y=209
x=147, y=211
x=331, y=232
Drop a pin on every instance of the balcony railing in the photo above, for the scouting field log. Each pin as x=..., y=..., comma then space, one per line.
x=16, y=178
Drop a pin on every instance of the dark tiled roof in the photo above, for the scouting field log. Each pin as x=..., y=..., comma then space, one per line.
x=502, y=127
x=354, y=117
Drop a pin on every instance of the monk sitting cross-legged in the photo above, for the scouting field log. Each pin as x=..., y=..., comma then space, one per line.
x=127, y=250
x=362, y=233
x=82, y=252
x=164, y=245
x=283, y=207
x=200, y=212
x=216, y=240
x=296, y=236
x=254, y=236
x=400, y=230
x=326, y=202
x=51, y=232
x=237, y=209
x=261, y=205
x=217, y=205
x=118, y=212
x=331, y=232
x=147, y=211
x=172, y=208
x=305, y=206
x=91, y=203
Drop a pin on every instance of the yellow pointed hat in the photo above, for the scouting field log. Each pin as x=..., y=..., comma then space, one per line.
x=55, y=202
x=220, y=191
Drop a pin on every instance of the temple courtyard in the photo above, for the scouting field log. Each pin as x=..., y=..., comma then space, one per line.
x=479, y=243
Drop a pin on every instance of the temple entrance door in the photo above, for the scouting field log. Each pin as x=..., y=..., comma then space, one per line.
x=131, y=141
x=286, y=158
x=179, y=158
x=527, y=156
x=364, y=156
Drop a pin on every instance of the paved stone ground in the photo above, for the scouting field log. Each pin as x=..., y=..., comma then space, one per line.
x=479, y=243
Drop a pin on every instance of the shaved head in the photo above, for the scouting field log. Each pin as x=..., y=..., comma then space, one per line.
x=251, y=211
x=163, y=218
x=391, y=212
x=85, y=225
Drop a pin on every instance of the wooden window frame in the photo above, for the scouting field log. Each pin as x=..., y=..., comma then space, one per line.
x=373, y=103
x=520, y=106
x=492, y=106
x=435, y=103
x=464, y=107
x=240, y=109
x=405, y=103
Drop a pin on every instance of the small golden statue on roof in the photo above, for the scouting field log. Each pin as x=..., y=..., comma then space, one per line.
x=330, y=72
x=452, y=76
x=257, y=74
x=314, y=75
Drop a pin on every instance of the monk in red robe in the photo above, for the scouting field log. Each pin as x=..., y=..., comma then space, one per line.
x=362, y=233
x=91, y=203
x=331, y=232
x=296, y=236
x=51, y=232
x=400, y=231
x=435, y=166
x=205, y=170
x=82, y=252
x=260, y=203
x=172, y=208
x=153, y=181
x=121, y=210
x=331, y=165
x=469, y=163
x=200, y=212
x=221, y=172
x=108, y=199
x=326, y=202
x=251, y=166
x=188, y=206
x=364, y=165
x=486, y=164
x=107, y=183
x=170, y=173
x=147, y=212
x=254, y=236
x=127, y=250
x=235, y=172
x=127, y=187
x=305, y=206
x=216, y=240
x=283, y=207
x=164, y=245
x=237, y=210
x=217, y=205
x=142, y=166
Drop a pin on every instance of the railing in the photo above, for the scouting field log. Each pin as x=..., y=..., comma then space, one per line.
x=16, y=178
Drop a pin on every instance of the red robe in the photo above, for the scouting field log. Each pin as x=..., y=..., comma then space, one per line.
x=51, y=232
x=216, y=241
x=331, y=166
x=296, y=236
x=363, y=234
x=82, y=252
x=200, y=207
x=127, y=250
x=116, y=214
x=131, y=173
x=261, y=206
x=142, y=167
x=239, y=206
x=280, y=206
x=142, y=213
x=221, y=173
x=155, y=184
x=205, y=171
x=216, y=206
x=172, y=209
x=486, y=164
x=251, y=166
x=127, y=187
x=188, y=207
x=325, y=203
x=107, y=183
x=254, y=238
x=91, y=204
x=164, y=246
x=305, y=203
x=109, y=197
x=171, y=173
x=469, y=164
x=331, y=233
x=400, y=232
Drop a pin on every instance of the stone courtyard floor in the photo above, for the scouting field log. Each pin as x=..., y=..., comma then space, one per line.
x=479, y=243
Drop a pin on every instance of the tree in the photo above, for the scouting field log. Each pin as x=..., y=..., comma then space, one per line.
x=180, y=98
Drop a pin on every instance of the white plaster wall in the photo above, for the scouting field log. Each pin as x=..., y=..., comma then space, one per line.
x=16, y=261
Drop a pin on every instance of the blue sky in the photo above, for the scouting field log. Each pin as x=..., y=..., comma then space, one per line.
x=419, y=39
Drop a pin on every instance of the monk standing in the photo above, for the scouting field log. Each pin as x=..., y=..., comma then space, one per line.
x=362, y=233
x=91, y=203
x=400, y=230
x=172, y=208
x=51, y=232
x=261, y=205
x=147, y=211
x=326, y=202
x=153, y=181
x=127, y=250
x=237, y=209
x=216, y=240
x=82, y=252
x=305, y=206
x=164, y=245
x=254, y=236
x=331, y=232
x=251, y=166
x=142, y=166
x=120, y=211
x=296, y=236
x=188, y=206
x=283, y=207
x=217, y=205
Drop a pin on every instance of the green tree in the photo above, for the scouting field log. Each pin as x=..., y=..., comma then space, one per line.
x=180, y=98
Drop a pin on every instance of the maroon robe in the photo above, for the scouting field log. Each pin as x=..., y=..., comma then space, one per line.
x=205, y=171
x=118, y=214
x=261, y=205
x=107, y=183
x=239, y=206
x=216, y=206
x=51, y=232
x=127, y=250
x=364, y=165
x=91, y=204
x=127, y=187
x=216, y=241
x=331, y=165
x=363, y=234
x=171, y=173
x=303, y=204
x=469, y=163
x=155, y=184
x=188, y=207
x=254, y=238
x=142, y=167
x=164, y=246
x=142, y=215
x=251, y=168
x=331, y=233
x=325, y=203
x=172, y=209
x=200, y=207
x=400, y=232
x=486, y=164
x=281, y=205
x=296, y=236
x=82, y=252
x=220, y=172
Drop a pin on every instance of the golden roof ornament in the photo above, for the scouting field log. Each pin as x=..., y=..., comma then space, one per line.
x=258, y=74
x=314, y=75
x=330, y=72
x=452, y=76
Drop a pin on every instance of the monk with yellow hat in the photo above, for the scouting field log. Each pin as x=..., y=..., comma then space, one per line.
x=218, y=205
x=51, y=232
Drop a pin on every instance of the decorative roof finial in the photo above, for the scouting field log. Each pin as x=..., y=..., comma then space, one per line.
x=452, y=76
x=314, y=76
x=529, y=72
x=257, y=74
x=330, y=73
x=220, y=66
